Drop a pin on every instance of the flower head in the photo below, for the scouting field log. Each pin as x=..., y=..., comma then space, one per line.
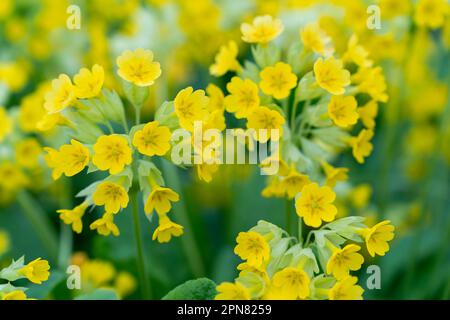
x=334, y=175
x=368, y=113
x=61, y=95
x=315, y=39
x=278, y=80
x=293, y=183
x=243, y=97
x=377, y=238
x=138, y=67
x=160, y=199
x=346, y=289
x=263, y=118
x=331, y=75
x=232, y=291
x=343, y=260
x=342, y=110
x=252, y=247
x=105, y=225
x=73, y=217
x=316, y=204
x=361, y=145
x=37, y=271
x=88, y=84
x=357, y=54
x=226, y=60
x=28, y=152
x=289, y=284
x=166, y=230
x=153, y=139
x=263, y=30
x=190, y=106
x=372, y=82
x=112, y=195
x=111, y=152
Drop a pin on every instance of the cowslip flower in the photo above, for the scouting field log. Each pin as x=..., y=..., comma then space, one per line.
x=262, y=30
x=243, y=97
x=160, y=199
x=357, y=54
x=342, y=110
x=166, y=229
x=289, y=284
x=69, y=160
x=61, y=96
x=225, y=60
x=372, y=82
x=293, y=183
x=14, y=295
x=27, y=152
x=253, y=248
x=377, y=238
x=5, y=123
x=190, y=106
x=278, y=80
x=216, y=98
x=112, y=195
x=111, y=152
x=343, y=260
x=138, y=67
x=316, y=204
x=361, y=145
x=37, y=271
x=431, y=13
x=368, y=113
x=316, y=40
x=88, y=83
x=153, y=139
x=331, y=75
x=265, y=118
x=334, y=175
x=73, y=216
x=346, y=289
x=105, y=225
x=232, y=291
x=12, y=177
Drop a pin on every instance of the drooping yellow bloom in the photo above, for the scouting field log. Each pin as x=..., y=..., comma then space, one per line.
x=252, y=247
x=28, y=152
x=153, y=139
x=368, y=113
x=342, y=110
x=372, y=82
x=316, y=40
x=232, y=291
x=190, y=106
x=346, y=289
x=37, y=271
x=105, y=225
x=225, y=60
x=167, y=229
x=334, y=175
x=216, y=98
x=88, y=84
x=138, y=67
x=5, y=123
x=331, y=75
x=316, y=204
x=377, y=238
x=263, y=120
x=112, y=152
x=125, y=284
x=278, y=80
x=14, y=295
x=73, y=217
x=361, y=145
x=293, y=183
x=289, y=284
x=262, y=30
x=343, y=260
x=112, y=195
x=70, y=159
x=431, y=13
x=160, y=200
x=97, y=273
x=357, y=54
x=243, y=97
x=61, y=96
x=205, y=171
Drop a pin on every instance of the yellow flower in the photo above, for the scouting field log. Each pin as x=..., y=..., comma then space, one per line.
x=97, y=273
x=226, y=60
x=105, y=225
x=262, y=30
x=377, y=238
x=11, y=177
x=70, y=159
x=372, y=82
x=316, y=40
x=37, y=271
x=360, y=195
x=216, y=98
x=232, y=291
x=252, y=247
x=346, y=289
x=88, y=84
x=289, y=284
x=153, y=139
x=368, y=113
x=5, y=124
x=243, y=97
x=334, y=175
x=61, y=96
x=190, y=106
x=361, y=145
x=112, y=195
x=357, y=53
x=278, y=80
x=343, y=260
x=331, y=75
x=205, y=171
x=293, y=183
x=14, y=295
x=73, y=217
x=125, y=284
x=111, y=152
x=166, y=229
x=28, y=152
x=265, y=118
x=138, y=67
x=160, y=200
x=394, y=8
x=342, y=110
x=431, y=13
x=4, y=242
x=316, y=204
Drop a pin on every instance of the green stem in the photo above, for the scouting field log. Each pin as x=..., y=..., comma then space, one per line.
x=288, y=217
x=300, y=230
x=40, y=223
x=142, y=271
x=187, y=240
x=138, y=115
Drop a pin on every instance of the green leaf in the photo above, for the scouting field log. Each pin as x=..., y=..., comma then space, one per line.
x=99, y=294
x=198, y=289
x=135, y=94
